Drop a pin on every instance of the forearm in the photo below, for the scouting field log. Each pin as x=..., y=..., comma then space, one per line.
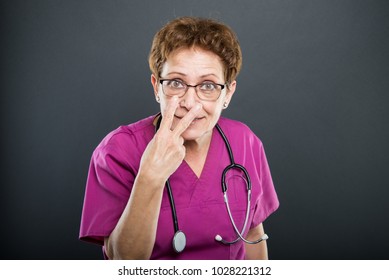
x=134, y=234
x=256, y=251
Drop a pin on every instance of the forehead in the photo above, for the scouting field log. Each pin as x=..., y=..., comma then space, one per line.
x=193, y=62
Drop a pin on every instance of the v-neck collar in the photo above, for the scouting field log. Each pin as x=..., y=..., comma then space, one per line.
x=207, y=163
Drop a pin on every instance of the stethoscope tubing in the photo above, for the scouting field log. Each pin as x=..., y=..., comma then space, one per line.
x=224, y=190
x=173, y=205
x=240, y=234
x=233, y=222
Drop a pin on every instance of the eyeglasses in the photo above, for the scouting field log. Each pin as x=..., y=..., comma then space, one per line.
x=207, y=91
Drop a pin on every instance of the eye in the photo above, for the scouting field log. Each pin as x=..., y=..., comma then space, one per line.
x=208, y=86
x=176, y=84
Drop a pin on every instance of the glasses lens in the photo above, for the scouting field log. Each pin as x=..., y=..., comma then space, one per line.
x=173, y=88
x=209, y=91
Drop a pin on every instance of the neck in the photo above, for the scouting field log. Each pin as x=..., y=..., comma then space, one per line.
x=200, y=145
x=196, y=153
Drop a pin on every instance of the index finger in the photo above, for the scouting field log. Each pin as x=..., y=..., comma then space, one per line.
x=168, y=113
x=185, y=122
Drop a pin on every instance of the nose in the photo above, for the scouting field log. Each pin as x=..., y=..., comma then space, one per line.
x=189, y=99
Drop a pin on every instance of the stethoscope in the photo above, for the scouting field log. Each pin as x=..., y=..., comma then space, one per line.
x=179, y=238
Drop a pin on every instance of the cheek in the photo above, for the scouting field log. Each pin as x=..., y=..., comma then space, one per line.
x=162, y=105
x=213, y=110
x=213, y=114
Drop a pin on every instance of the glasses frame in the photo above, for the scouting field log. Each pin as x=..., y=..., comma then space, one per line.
x=222, y=86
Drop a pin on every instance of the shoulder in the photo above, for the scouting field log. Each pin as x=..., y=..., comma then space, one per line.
x=238, y=131
x=127, y=137
x=231, y=124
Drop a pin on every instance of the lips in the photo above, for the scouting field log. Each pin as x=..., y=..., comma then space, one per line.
x=180, y=117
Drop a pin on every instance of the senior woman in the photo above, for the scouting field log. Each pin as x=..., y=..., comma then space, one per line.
x=154, y=188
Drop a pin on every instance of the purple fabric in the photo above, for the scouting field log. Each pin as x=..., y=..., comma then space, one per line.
x=199, y=201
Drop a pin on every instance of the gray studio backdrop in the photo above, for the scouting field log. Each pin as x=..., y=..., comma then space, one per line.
x=314, y=87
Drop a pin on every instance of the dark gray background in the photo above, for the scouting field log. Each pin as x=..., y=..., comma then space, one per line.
x=314, y=87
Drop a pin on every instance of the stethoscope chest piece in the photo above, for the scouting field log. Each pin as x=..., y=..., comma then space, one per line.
x=179, y=241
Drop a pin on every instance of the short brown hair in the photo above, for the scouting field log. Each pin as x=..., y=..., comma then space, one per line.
x=208, y=34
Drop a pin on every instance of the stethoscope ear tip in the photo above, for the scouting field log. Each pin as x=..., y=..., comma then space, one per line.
x=218, y=238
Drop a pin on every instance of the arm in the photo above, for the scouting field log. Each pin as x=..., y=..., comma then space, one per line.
x=256, y=251
x=134, y=235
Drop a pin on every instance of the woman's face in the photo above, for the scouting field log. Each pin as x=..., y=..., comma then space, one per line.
x=194, y=66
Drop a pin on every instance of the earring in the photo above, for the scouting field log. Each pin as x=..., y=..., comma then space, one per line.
x=158, y=99
x=225, y=105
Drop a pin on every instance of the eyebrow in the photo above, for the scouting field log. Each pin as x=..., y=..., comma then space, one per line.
x=183, y=74
x=176, y=73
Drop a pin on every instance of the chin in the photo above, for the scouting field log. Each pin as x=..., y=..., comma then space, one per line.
x=197, y=130
x=193, y=134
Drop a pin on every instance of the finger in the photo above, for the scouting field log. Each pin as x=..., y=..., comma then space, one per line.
x=185, y=122
x=168, y=114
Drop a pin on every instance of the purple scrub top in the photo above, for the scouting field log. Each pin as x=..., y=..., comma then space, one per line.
x=201, y=211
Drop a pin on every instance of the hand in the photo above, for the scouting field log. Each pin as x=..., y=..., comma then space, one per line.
x=166, y=151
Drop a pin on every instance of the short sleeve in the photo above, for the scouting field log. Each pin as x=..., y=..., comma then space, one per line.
x=108, y=188
x=267, y=201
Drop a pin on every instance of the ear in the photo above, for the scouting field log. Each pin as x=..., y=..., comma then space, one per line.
x=155, y=84
x=229, y=93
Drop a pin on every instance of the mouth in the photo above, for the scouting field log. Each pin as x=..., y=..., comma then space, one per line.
x=194, y=120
